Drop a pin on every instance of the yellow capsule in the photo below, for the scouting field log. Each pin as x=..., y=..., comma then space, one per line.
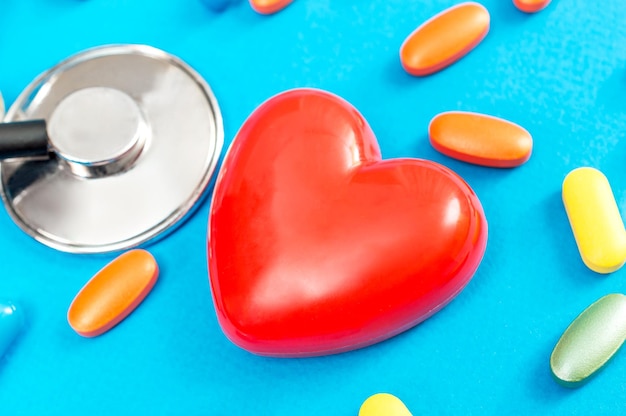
x=595, y=219
x=383, y=404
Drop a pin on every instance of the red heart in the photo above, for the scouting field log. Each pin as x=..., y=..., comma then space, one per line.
x=318, y=246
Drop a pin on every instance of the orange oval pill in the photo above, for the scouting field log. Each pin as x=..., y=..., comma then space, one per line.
x=269, y=6
x=480, y=139
x=113, y=293
x=531, y=6
x=444, y=38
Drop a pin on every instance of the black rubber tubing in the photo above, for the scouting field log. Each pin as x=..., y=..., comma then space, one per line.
x=23, y=139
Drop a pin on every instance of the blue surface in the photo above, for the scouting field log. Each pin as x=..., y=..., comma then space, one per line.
x=559, y=73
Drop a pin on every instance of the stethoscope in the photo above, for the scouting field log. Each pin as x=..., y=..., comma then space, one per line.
x=109, y=149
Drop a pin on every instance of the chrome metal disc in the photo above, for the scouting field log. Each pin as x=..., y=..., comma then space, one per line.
x=135, y=136
x=1, y=108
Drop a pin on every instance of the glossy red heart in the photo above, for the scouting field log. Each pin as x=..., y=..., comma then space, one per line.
x=318, y=246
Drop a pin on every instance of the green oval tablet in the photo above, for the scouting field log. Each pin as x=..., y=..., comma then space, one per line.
x=590, y=341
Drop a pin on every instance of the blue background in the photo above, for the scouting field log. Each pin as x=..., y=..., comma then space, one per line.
x=560, y=73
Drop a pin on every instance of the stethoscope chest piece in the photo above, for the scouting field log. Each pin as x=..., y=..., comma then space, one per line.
x=133, y=138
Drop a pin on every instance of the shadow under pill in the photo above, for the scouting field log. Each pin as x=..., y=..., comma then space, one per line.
x=478, y=177
x=540, y=380
x=508, y=14
x=397, y=76
x=557, y=229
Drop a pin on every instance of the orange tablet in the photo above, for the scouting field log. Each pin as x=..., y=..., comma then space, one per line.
x=269, y=6
x=480, y=139
x=531, y=6
x=444, y=38
x=113, y=293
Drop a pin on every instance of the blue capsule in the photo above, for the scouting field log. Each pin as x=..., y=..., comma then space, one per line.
x=11, y=324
